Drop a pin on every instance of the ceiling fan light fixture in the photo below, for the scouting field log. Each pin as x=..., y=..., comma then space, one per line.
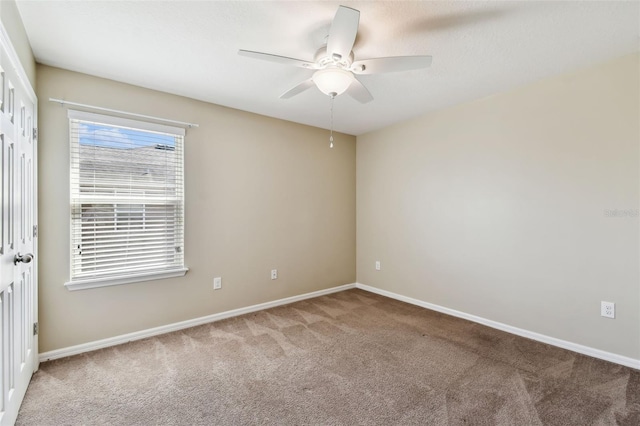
x=333, y=81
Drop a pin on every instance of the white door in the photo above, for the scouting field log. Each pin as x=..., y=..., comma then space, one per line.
x=18, y=284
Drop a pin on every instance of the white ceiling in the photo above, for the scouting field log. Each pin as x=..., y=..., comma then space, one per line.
x=190, y=48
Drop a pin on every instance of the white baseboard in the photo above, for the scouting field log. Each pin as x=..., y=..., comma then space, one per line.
x=585, y=350
x=143, y=334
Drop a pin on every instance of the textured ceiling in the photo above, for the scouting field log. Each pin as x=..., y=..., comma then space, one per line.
x=190, y=48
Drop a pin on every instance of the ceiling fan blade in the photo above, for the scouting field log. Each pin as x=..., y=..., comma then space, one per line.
x=342, y=33
x=278, y=59
x=358, y=92
x=391, y=64
x=297, y=89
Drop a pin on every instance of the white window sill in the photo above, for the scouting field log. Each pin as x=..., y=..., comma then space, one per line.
x=128, y=279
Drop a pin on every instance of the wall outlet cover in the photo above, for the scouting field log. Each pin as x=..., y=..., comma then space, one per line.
x=608, y=309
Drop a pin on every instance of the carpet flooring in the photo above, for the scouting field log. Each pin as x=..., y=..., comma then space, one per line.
x=349, y=358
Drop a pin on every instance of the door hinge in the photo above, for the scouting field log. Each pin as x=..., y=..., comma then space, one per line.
x=35, y=231
x=36, y=328
x=35, y=133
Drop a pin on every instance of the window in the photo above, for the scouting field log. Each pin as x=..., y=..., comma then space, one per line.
x=127, y=204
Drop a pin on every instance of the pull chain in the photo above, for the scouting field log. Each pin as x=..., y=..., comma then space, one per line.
x=331, y=131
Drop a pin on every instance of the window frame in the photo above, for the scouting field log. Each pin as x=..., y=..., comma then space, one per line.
x=131, y=276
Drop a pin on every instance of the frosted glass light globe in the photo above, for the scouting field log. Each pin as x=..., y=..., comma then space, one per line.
x=333, y=81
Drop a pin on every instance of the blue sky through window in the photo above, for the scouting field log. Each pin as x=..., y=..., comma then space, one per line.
x=121, y=137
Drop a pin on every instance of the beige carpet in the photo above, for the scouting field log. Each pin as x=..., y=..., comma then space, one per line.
x=348, y=358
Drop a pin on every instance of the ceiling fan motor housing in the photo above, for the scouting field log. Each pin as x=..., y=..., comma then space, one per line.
x=324, y=60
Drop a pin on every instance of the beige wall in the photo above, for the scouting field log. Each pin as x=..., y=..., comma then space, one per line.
x=261, y=193
x=497, y=208
x=12, y=23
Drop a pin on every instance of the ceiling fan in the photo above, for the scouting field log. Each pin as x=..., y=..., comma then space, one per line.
x=335, y=64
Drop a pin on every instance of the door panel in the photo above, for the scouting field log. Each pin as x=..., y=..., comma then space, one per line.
x=18, y=283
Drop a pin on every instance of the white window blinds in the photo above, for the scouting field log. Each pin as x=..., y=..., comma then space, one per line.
x=127, y=210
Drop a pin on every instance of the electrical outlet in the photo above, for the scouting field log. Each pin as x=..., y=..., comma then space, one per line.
x=608, y=309
x=217, y=283
x=377, y=265
x=274, y=274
